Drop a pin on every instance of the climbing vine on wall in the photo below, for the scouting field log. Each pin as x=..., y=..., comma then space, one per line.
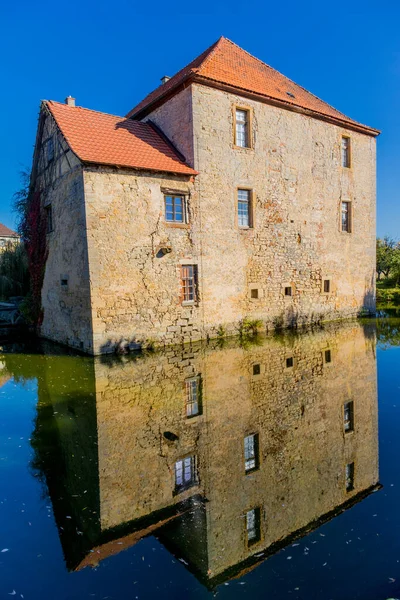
x=33, y=230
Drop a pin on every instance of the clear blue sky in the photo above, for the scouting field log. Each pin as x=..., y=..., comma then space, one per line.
x=110, y=55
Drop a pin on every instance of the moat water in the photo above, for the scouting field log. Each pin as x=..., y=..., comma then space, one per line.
x=264, y=468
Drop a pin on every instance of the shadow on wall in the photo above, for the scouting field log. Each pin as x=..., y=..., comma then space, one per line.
x=369, y=302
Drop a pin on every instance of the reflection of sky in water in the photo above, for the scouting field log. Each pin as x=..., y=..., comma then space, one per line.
x=91, y=504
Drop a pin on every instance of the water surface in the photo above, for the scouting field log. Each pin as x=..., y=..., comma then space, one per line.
x=233, y=470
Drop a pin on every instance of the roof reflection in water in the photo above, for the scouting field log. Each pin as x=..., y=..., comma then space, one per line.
x=226, y=454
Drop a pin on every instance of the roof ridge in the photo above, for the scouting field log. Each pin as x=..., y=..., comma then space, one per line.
x=252, y=55
x=211, y=53
x=98, y=112
x=292, y=82
x=166, y=86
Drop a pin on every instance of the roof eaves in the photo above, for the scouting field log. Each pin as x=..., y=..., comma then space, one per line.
x=90, y=163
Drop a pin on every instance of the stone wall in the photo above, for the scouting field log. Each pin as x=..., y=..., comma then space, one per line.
x=66, y=286
x=135, y=289
x=110, y=227
x=298, y=183
x=297, y=413
x=175, y=119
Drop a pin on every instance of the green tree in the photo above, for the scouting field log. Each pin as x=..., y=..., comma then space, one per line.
x=14, y=276
x=395, y=265
x=386, y=249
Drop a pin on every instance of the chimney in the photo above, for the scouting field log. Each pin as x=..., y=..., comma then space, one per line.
x=70, y=101
x=165, y=79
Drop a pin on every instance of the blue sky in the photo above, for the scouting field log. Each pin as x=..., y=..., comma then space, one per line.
x=110, y=55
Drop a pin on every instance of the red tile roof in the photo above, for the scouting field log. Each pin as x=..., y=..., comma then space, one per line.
x=226, y=64
x=6, y=232
x=104, y=139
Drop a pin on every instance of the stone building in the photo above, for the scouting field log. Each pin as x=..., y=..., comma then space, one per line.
x=225, y=454
x=228, y=193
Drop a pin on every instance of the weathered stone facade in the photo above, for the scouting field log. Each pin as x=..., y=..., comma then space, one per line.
x=66, y=286
x=109, y=233
x=133, y=424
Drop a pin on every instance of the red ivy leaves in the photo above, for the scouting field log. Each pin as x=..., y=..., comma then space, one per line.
x=34, y=236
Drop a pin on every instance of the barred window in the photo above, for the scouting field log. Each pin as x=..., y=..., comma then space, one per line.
x=175, y=209
x=251, y=460
x=345, y=152
x=185, y=473
x=242, y=128
x=253, y=526
x=189, y=283
x=348, y=417
x=349, y=477
x=346, y=216
x=244, y=208
x=193, y=396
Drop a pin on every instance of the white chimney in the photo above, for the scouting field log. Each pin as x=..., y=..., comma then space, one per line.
x=165, y=79
x=70, y=101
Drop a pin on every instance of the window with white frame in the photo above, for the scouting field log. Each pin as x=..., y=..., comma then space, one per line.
x=346, y=216
x=242, y=128
x=185, y=473
x=251, y=460
x=189, y=283
x=253, y=526
x=193, y=396
x=345, y=151
x=244, y=208
x=175, y=209
x=348, y=416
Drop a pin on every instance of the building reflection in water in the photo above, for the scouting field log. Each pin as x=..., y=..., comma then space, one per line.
x=225, y=454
